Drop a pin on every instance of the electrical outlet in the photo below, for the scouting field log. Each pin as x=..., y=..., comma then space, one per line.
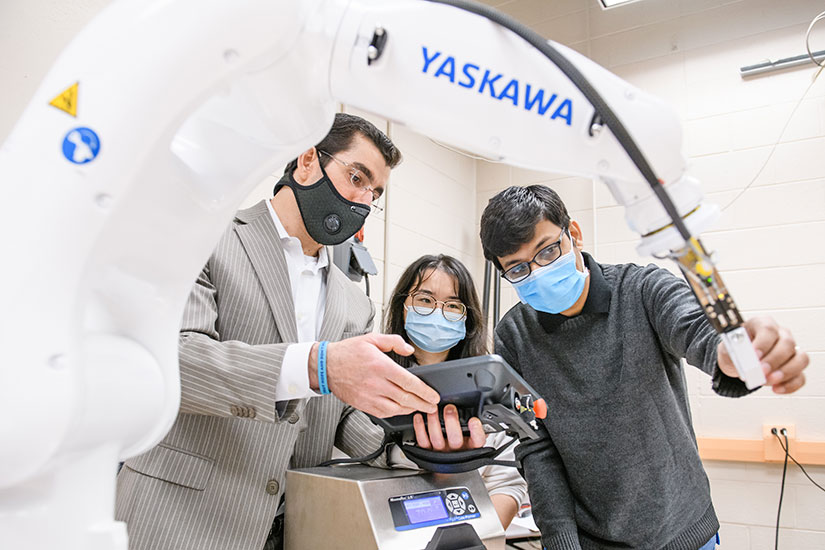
x=773, y=451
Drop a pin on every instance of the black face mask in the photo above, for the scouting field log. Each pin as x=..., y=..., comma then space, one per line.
x=329, y=218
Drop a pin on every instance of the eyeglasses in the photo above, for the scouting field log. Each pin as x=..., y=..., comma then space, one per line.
x=425, y=304
x=359, y=180
x=543, y=257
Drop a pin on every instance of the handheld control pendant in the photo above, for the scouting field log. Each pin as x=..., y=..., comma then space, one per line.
x=485, y=387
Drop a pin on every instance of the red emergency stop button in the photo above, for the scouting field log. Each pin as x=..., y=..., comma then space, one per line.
x=540, y=408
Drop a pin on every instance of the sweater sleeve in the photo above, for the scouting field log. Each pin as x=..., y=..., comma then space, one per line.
x=682, y=327
x=550, y=497
x=542, y=467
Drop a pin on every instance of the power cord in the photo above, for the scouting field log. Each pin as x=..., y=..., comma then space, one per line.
x=360, y=459
x=815, y=20
x=782, y=488
x=786, y=447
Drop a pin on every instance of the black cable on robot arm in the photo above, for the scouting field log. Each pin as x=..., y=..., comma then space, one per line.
x=599, y=104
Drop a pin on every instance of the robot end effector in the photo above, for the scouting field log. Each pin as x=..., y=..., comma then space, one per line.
x=674, y=238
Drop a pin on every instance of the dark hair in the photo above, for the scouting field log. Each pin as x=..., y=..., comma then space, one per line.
x=340, y=136
x=474, y=343
x=510, y=218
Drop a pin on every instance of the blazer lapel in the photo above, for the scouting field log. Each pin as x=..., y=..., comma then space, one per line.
x=260, y=239
x=335, y=308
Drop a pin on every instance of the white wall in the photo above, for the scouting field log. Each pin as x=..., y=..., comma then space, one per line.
x=769, y=241
x=430, y=206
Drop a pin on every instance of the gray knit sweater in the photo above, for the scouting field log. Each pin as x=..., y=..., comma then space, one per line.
x=622, y=468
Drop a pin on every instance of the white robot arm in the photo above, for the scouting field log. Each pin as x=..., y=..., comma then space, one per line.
x=109, y=213
x=504, y=92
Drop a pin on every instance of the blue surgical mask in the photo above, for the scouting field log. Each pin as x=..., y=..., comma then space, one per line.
x=433, y=332
x=553, y=288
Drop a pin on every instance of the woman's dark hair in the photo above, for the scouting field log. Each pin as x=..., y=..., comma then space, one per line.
x=510, y=218
x=474, y=343
x=344, y=129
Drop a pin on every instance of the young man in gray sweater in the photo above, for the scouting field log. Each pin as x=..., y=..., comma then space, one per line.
x=601, y=343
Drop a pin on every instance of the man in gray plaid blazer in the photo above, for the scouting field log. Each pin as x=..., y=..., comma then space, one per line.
x=249, y=358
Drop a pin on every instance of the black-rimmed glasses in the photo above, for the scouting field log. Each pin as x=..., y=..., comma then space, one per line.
x=424, y=304
x=359, y=180
x=543, y=257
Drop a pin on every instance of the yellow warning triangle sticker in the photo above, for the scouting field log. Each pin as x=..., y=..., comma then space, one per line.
x=67, y=100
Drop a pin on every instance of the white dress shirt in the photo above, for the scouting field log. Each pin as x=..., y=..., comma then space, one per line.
x=308, y=281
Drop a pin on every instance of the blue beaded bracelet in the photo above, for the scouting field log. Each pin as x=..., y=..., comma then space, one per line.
x=322, y=368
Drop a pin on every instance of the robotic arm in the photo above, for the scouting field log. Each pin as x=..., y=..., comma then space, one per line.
x=512, y=96
x=180, y=110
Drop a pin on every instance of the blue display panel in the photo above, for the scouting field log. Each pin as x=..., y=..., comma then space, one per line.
x=418, y=510
x=421, y=510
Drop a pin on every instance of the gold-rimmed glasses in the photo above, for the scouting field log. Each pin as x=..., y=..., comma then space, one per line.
x=359, y=180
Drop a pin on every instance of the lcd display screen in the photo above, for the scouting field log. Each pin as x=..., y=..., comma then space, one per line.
x=420, y=510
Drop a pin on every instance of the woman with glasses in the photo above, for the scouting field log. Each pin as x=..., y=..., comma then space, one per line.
x=435, y=308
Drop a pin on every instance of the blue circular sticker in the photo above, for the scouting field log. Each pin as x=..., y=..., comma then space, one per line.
x=81, y=145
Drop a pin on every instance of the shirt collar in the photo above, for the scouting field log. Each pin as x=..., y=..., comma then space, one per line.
x=598, y=297
x=293, y=244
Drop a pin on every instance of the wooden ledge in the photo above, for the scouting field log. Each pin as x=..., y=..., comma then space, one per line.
x=766, y=449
